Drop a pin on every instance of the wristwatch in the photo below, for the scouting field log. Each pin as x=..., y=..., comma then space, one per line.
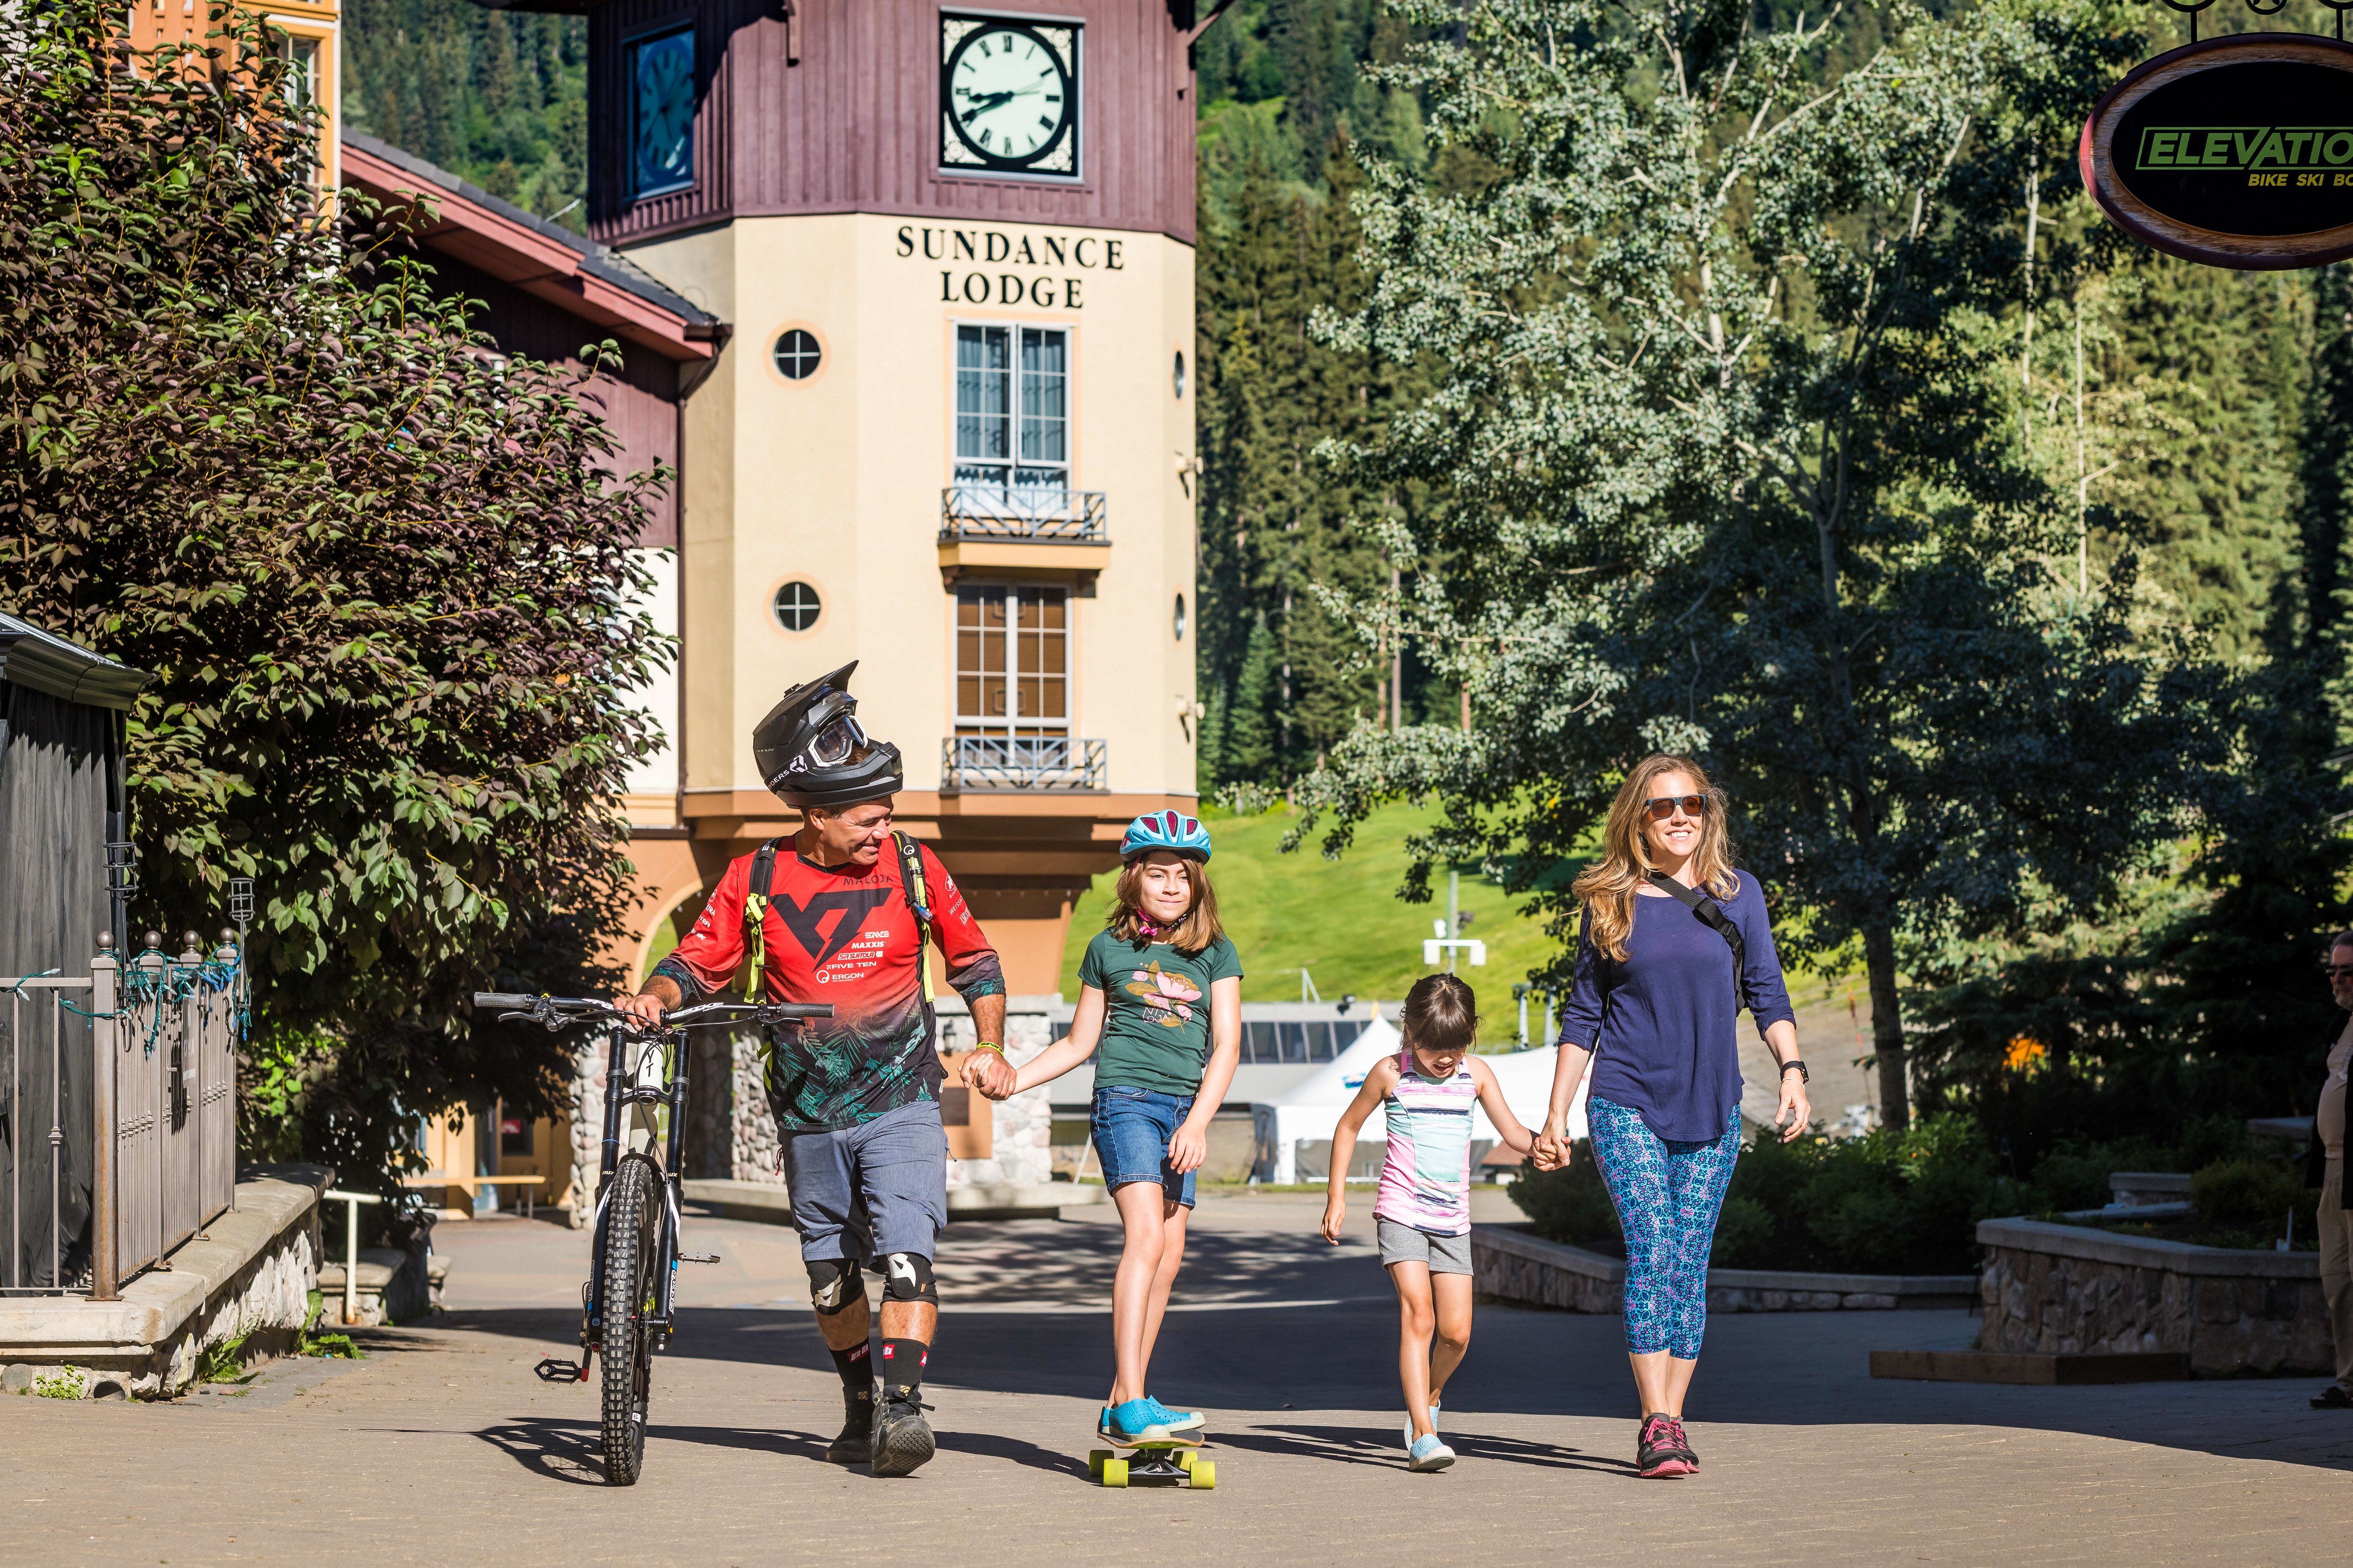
x=1797, y=1062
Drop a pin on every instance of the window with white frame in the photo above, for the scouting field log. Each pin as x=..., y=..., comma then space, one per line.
x=1013, y=413
x=1013, y=661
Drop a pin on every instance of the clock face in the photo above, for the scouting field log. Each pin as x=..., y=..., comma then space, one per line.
x=661, y=92
x=1009, y=96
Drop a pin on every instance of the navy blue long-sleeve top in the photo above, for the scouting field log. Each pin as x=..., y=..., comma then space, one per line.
x=1671, y=1049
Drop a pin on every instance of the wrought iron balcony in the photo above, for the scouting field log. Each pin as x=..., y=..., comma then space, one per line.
x=1024, y=512
x=1020, y=762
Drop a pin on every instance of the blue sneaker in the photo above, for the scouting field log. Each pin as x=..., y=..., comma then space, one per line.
x=1175, y=1420
x=1433, y=1422
x=1132, y=1422
x=1429, y=1454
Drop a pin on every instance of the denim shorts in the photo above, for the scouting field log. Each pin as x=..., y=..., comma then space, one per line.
x=1132, y=1128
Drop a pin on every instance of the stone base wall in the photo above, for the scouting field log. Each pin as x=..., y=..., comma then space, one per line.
x=1510, y=1263
x=2229, y=1325
x=250, y=1278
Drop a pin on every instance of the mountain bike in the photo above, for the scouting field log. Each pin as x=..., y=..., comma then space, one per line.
x=628, y=1305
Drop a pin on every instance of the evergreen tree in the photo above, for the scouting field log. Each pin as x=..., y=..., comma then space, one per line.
x=496, y=97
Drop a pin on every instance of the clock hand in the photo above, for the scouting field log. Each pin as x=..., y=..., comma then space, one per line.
x=984, y=102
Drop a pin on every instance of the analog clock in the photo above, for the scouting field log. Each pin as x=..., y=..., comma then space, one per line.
x=1009, y=96
x=662, y=93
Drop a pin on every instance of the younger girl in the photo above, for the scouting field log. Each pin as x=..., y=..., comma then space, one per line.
x=1423, y=1210
x=1161, y=990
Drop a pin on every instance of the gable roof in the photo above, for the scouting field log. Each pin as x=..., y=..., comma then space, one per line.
x=544, y=259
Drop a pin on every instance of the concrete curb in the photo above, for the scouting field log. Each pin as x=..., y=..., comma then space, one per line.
x=1512, y=1262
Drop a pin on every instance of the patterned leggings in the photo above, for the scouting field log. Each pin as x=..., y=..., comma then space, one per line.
x=1667, y=1196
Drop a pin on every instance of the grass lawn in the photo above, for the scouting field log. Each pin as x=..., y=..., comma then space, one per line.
x=1342, y=921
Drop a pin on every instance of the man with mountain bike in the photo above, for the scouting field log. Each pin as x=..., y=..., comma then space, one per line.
x=843, y=912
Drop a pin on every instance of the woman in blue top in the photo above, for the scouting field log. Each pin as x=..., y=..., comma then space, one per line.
x=1655, y=1008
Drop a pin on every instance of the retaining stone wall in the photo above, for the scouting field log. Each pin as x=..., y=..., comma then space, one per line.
x=2229, y=1318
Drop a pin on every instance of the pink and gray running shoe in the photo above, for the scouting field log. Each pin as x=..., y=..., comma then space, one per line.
x=1661, y=1450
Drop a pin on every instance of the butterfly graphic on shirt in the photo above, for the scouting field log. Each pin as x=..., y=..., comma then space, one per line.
x=1168, y=995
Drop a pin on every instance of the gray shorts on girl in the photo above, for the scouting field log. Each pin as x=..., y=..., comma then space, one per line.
x=1404, y=1244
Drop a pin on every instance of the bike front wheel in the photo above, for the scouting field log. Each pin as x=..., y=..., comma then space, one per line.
x=632, y=1264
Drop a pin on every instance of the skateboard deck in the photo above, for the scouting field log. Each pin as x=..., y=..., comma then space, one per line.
x=1156, y=1462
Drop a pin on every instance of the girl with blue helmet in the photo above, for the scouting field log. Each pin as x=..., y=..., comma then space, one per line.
x=1161, y=992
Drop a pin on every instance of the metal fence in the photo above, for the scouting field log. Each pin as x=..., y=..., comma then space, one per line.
x=1035, y=513
x=1022, y=762
x=123, y=1134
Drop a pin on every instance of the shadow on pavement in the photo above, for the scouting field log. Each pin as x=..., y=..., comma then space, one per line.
x=1270, y=1321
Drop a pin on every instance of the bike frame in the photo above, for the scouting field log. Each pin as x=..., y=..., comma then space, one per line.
x=623, y=1090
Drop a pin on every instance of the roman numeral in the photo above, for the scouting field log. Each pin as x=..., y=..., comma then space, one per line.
x=984, y=141
x=1047, y=121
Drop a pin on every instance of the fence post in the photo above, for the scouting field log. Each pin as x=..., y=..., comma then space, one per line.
x=104, y=1268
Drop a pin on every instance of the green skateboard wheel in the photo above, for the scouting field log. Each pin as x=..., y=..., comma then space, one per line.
x=1204, y=1474
x=1114, y=1472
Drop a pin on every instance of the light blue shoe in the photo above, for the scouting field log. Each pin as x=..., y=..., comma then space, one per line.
x=1132, y=1422
x=1433, y=1421
x=1175, y=1420
x=1429, y=1454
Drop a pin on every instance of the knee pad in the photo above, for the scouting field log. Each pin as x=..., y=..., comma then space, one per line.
x=907, y=1277
x=834, y=1284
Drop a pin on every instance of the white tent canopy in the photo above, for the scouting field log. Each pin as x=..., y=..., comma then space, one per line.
x=1310, y=1110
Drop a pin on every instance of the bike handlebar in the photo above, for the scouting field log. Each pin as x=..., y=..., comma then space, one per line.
x=556, y=1011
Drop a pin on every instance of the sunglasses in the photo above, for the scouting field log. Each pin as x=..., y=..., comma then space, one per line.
x=1665, y=806
x=2338, y=971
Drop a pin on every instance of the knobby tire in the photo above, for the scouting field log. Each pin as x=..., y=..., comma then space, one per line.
x=632, y=1261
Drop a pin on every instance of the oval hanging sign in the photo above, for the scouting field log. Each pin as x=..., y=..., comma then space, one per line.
x=2235, y=151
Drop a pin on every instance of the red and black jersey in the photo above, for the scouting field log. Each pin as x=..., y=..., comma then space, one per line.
x=839, y=934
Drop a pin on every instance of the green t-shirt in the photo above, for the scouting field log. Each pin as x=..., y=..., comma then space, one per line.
x=1156, y=1010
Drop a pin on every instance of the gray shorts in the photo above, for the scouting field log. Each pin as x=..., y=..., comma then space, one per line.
x=876, y=1188
x=1403, y=1243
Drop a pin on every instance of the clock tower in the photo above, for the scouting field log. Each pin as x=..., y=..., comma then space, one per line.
x=950, y=433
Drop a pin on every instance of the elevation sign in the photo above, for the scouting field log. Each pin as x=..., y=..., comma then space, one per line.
x=2235, y=151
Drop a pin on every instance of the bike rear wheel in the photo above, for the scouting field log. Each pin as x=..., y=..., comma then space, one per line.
x=632, y=1280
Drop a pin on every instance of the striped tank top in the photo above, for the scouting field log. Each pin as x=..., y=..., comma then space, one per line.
x=1426, y=1173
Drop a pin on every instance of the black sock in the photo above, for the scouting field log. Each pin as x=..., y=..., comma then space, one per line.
x=857, y=1375
x=903, y=1363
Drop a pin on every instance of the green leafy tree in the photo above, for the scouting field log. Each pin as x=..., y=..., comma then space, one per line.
x=380, y=573
x=1725, y=392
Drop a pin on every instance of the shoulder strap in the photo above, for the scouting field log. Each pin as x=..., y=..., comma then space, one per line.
x=755, y=917
x=1710, y=914
x=919, y=900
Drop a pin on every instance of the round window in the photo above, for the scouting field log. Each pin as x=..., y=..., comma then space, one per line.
x=797, y=606
x=1178, y=375
x=798, y=354
x=1180, y=618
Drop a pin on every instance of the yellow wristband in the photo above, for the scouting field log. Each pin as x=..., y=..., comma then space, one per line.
x=997, y=1046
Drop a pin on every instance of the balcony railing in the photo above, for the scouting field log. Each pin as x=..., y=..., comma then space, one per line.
x=1024, y=512
x=1020, y=762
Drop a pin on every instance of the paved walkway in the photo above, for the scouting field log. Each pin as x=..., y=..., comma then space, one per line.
x=442, y=1447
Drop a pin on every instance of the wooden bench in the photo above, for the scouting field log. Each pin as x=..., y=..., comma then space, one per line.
x=473, y=1184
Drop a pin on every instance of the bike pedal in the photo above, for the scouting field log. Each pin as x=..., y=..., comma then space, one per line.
x=698, y=1257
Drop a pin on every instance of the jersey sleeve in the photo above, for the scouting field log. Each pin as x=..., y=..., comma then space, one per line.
x=972, y=964
x=1090, y=964
x=707, y=957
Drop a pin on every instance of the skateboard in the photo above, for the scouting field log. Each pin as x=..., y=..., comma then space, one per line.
x=1158, y=1462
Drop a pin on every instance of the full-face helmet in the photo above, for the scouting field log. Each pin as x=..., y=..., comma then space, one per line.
x=811, y=751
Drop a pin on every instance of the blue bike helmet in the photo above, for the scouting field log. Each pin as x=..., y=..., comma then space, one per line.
x=1165, y=830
